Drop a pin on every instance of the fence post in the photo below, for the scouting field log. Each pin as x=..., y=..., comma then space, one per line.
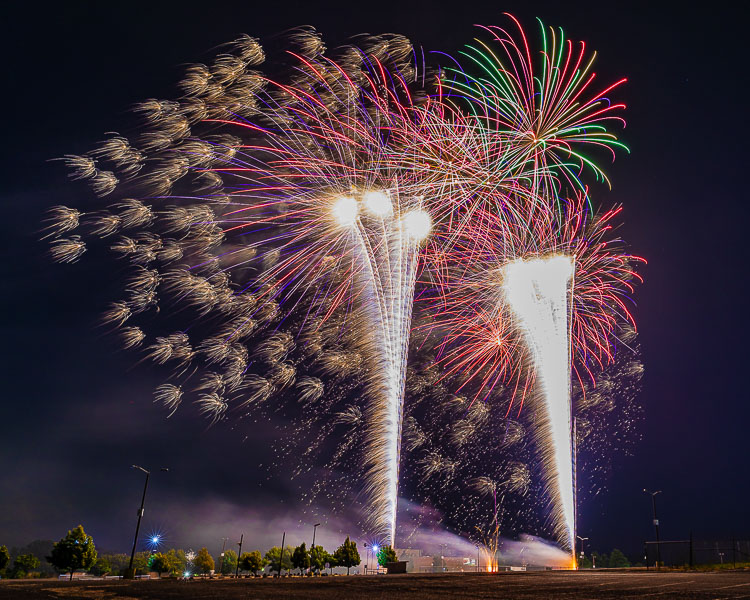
x=645, y=553
x=691, y=549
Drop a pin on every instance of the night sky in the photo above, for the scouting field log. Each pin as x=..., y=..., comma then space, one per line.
x=77, y=412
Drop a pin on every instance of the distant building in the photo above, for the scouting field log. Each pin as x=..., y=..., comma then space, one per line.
x=418, y=562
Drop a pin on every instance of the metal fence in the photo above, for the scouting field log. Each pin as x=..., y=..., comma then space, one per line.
x=694, y=552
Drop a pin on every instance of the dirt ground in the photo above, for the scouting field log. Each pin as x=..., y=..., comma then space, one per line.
x=551, y=584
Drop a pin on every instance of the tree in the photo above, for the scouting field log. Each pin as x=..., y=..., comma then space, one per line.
x=23, y=564
x=617, y=560
x=178, y=560
x=101, y=566
x=141, y=562
x=386, y=554
x=167, y=562
x=41, y=549
x=75, y=551
x=203, y=561
x=117, y=562
x=252, y=561
x=318, y=558
x=228, y=562
x=346, y=555
x=601, y=561
x=4, y=557
x=273, y=558
x=330, y=560
x=301, y=558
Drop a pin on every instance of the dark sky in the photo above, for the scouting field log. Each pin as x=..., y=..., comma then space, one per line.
x=76, y=412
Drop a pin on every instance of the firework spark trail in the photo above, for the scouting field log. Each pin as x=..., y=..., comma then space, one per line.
x=538, y=293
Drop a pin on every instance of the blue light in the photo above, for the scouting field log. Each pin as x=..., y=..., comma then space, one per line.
x=375, y=548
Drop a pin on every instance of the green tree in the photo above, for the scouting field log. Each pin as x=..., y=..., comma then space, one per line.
x=178, y=559
x=75, y=551
x=228, y=563
x=318, y=558
x=273, y=558
x=617, y=560
x=167, y=562
x=600, y=560
x=23, y=564
x=102, y=566
x=141, y=562
x=252, y=561
x=41, y=549
x=346, y=555
x=301, y=558
x=203, y=561
x=117, y=562
x=4, y=557
x=386, y=554
x=330, y=561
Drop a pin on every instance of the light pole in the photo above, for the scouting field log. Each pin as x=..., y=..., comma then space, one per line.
x=375, y=549
x=656, y=524
x=367, y=560
x=583, y=540
x=314, y=528
x=130, y=572
x=313, y=542
x=221, y=564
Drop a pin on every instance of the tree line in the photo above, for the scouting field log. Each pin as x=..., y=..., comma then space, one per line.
x=615, y=560
x=77, y=552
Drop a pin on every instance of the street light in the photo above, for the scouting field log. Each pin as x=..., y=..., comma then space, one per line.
x=656, y=524
x=221, y=564
x=130, y=572
x=375, y=549
x=583, y=540
x=313, y=542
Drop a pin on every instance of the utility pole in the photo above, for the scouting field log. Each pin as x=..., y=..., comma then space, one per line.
x=656, y=525
x=130, y=573
x=281, y=556
x=239, y=553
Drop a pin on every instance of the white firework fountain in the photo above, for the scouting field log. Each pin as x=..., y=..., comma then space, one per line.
x=539, y=294
x=386, y=236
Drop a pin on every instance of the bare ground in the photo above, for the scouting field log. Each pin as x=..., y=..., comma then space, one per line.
x=555, y=584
